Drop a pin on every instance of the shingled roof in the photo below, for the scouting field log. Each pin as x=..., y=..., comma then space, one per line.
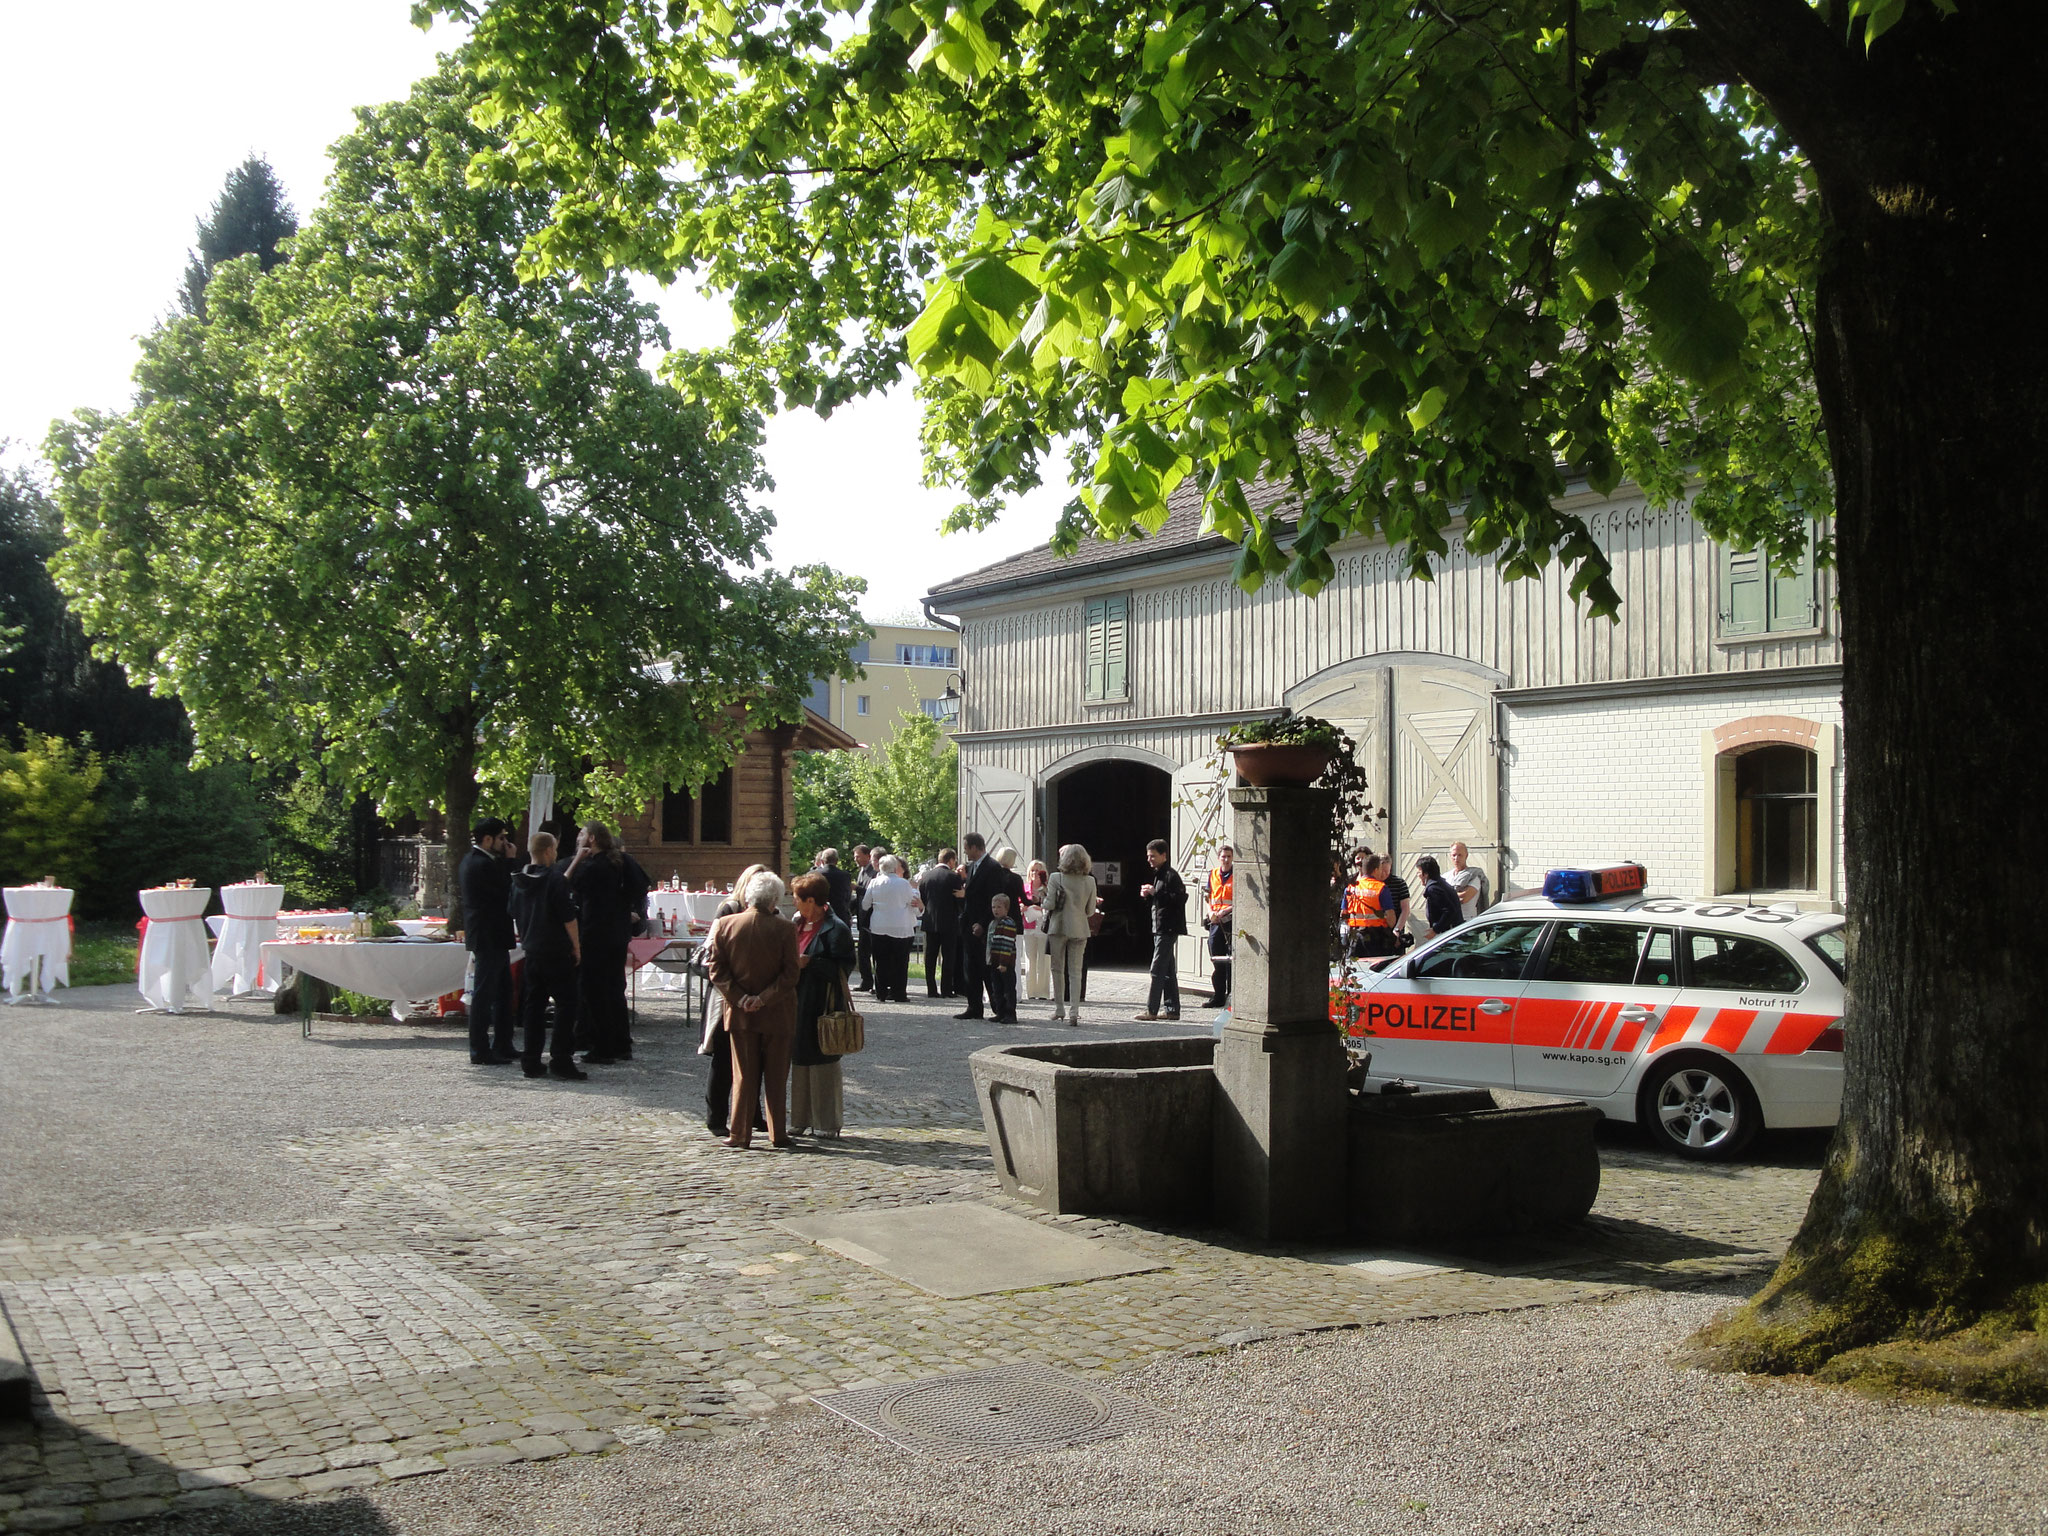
x=1181, y=533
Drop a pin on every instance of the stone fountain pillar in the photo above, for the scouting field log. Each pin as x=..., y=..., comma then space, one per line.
x=1280, y=1110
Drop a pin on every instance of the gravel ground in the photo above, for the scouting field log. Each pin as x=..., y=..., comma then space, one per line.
x=1568, y=1418
x=115, y=1121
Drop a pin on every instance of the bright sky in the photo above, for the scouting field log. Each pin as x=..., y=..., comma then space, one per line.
x=121, y=122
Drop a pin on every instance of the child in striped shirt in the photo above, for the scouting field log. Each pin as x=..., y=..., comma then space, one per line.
x=1002, y=961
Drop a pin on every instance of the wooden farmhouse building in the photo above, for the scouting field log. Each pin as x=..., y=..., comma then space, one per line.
x=1699, y=734
x=708, y=834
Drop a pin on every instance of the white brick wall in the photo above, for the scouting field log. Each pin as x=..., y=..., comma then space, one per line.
x=1613, y=779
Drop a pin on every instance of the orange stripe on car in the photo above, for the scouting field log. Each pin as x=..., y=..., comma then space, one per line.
x=1728, y=1028
x=1796, y=1032
x=1673, y=1029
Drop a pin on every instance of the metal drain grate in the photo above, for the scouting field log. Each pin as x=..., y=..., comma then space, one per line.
x=1004, y=1411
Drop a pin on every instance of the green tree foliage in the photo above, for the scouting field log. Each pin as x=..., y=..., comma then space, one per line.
x=389, y=510
x=1426, y=265
x=250, y=218
x=828, y=810
x=909, y=787
x=323, y=842
x=166, y=818
x=49, y=680
x=49, y=816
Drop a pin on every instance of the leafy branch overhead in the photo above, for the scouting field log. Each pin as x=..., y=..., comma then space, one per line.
x=1429, y=264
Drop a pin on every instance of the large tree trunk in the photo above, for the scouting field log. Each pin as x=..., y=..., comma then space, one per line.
x=458, y=806
x=1931, y=1219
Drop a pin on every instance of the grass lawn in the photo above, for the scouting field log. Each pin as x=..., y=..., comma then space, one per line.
x=102, y=953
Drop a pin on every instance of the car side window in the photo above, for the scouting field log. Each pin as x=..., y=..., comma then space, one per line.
x=1733, y=963
x=1487, y=952
x=1593, y=953
x=1659, y=965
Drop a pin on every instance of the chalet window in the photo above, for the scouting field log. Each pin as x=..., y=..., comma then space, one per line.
x=1777, y=819
x=1756, y=599
x=1106, y=650
x=714, y=810
x=678, y=815
x=927, y=656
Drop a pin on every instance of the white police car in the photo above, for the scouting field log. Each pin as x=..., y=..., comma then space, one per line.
x=1704, y=1020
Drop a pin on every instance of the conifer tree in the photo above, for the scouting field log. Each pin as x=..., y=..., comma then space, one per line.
x=248, y=219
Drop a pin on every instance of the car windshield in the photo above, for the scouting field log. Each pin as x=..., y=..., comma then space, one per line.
x=1833, y=948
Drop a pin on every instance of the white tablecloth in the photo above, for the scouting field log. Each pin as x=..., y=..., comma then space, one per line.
x=249, y=923
x=35, y=955
x=173, y=974
x=405, y=973
x=423, y=927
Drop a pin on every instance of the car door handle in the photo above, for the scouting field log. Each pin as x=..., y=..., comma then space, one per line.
x=1636, y=1013
x=1495, y=1005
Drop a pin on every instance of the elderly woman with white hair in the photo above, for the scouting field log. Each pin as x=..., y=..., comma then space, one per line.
x=894, y=904
x=752, y=959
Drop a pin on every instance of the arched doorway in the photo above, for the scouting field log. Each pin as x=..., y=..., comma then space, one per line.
x=1113, y=808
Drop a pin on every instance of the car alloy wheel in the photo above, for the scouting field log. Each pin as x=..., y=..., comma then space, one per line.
x=1702, y=1110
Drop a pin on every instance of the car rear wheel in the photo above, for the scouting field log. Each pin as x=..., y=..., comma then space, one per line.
x=1701, y=1108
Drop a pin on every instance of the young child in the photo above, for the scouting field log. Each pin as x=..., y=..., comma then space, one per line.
x=1002, y=961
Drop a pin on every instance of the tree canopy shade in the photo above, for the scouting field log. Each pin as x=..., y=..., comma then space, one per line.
x=1428, y=261
x=250, y=218
x=388, y=509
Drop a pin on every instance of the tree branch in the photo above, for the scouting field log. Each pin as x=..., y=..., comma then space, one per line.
x=1785, y=52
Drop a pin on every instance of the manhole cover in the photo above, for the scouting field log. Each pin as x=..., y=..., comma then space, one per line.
x=1009, y=1409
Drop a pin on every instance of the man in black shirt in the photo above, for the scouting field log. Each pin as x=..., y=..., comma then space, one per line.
x=941, y=926
x=1396, y=901
x=865, y=870
x=1440, y=904
x=483, y=881
x=1168, y=896
x=841, y=899
x=545, y=914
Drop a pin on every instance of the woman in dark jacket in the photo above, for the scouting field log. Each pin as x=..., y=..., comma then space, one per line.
x=598, y=880
x=825, y=951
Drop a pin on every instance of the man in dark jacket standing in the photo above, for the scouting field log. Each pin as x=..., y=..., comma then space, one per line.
x=545, y=914
x=1168, y=897
x=864, y=871
x=941, y=926
x=483, y=881
x=841, y=899
x=980, y=880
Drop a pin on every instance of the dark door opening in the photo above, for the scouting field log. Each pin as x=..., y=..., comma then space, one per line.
x=1113, y=809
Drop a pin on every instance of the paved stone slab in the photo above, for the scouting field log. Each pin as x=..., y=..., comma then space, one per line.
x=963, y=1248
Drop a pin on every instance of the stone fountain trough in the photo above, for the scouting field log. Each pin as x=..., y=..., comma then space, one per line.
x=1129, y=1128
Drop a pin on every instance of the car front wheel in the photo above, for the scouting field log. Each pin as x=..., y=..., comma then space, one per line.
x=1701, y=1108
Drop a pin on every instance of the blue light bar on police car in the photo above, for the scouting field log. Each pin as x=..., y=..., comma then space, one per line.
x=1594, y=884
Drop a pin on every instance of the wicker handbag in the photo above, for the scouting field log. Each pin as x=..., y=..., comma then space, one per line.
x=841, y=1031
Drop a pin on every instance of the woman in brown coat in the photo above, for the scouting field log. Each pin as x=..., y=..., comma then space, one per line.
x=752, y=960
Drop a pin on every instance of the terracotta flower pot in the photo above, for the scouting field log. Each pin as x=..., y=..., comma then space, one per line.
x=1280, y=764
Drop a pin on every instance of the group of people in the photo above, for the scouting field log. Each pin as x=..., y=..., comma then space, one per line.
x=1379, y=916
x=573, y=921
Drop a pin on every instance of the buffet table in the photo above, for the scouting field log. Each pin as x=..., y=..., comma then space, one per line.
x=249, y=922
x=404, y=970
x=35, y=955
x=172, y=972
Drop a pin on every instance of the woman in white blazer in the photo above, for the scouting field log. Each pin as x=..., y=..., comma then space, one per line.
x=1069, y=903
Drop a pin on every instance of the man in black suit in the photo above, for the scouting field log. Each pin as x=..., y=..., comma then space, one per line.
x=484, y=881
x=981, y=879
x=941, y=925
x=864, y=871
x=841, y=899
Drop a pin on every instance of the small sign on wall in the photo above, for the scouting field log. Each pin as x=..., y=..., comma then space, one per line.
x=1109, y=873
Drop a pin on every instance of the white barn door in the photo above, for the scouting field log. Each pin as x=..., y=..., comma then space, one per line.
x=999, y=807
x=1445, y=780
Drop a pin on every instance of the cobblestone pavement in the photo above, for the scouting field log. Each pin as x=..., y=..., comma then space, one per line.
x=517, y=1272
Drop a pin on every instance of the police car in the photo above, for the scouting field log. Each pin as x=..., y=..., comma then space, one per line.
x=1704, y=1020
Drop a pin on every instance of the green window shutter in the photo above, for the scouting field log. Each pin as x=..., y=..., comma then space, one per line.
x=1115, y=648
x=1743, y=607
x=1093, y=672
x=1792, y=596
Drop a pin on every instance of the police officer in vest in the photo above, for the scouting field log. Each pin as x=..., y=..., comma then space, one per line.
x=1219, y=925
x=1368, y=934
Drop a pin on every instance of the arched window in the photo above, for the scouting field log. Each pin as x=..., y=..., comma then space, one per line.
x=1777, y=819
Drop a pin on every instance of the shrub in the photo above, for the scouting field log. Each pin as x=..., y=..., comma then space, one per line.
x=49, y=821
